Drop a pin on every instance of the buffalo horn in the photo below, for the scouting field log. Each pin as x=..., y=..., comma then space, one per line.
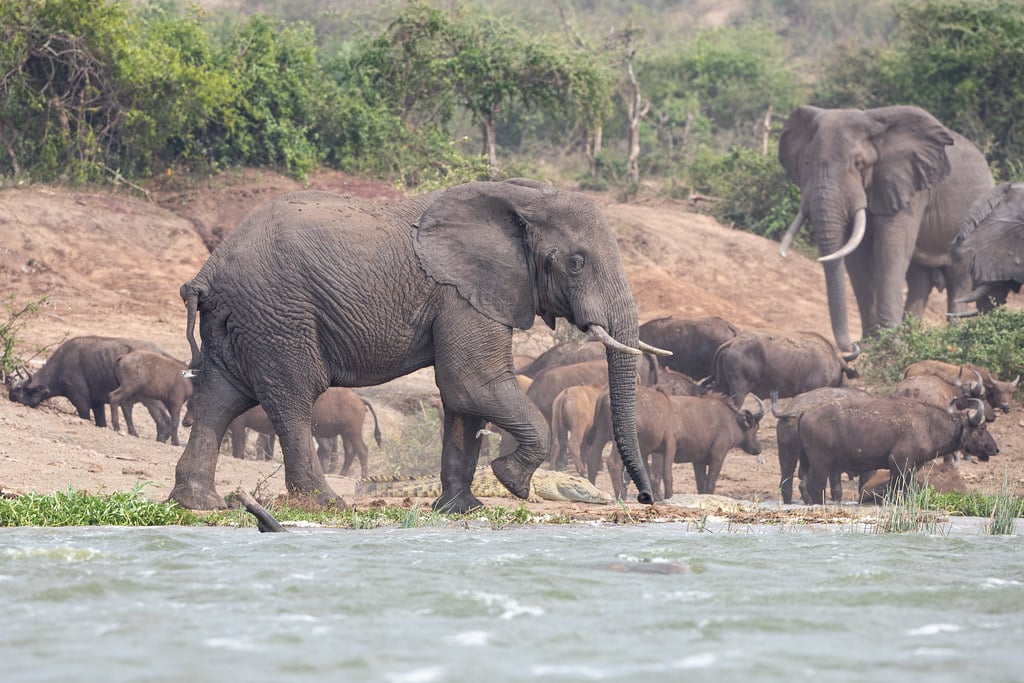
x=977, y=415
x=760, y=410
x=978, y=386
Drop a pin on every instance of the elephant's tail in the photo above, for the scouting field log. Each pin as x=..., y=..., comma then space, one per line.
x=190, y=295
x=376, y=426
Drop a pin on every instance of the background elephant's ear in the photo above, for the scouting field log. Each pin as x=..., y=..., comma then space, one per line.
x=991, y=238
x=528, y=182
x=473, y=237
x=912, y=156
x=796, y=133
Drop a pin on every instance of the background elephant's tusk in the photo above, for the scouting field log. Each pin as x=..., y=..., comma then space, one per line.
x=791, y=232
x=647, y=348
x=860, y=222
x=965, y=314
x=606, y=339
x=974, y=295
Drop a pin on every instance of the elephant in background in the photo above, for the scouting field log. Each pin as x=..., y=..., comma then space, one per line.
x=886, y=190
x=990, y=246
x=317, y=290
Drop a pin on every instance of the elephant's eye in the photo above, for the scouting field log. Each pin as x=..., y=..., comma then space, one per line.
x=575, y=263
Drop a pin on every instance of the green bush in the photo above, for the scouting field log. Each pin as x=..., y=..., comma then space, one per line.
x=994, y=341
x=16, y=317
x=752, y=188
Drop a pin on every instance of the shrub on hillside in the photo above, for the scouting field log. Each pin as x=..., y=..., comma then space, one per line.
x=994, y=341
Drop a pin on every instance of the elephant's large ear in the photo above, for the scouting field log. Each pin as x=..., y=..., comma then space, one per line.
x=473, y=237
x=992, y=234
x=796, y=134
x=912, y=157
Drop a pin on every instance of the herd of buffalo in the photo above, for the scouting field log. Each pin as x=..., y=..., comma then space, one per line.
x=690, y=406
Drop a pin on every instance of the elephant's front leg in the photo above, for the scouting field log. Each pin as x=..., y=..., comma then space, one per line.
x=919, y=287
x=893, y=248
x=474, y=372
x=459, y=455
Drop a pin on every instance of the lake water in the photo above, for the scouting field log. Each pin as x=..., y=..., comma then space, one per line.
x=544, y=603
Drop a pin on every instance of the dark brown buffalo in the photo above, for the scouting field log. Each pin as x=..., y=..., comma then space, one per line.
x=692, y=342
x=145, y=375
x=649, y=413
x=897, y=434
x=999, y=393
x=82, y=370
x=704, y=430
x=760, y=362
x=788, y=436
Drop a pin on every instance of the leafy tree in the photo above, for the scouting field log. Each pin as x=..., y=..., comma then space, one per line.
x=431, y=62
x=728, y=76
x=282, y=95
x=959, y=59
x=95, y=87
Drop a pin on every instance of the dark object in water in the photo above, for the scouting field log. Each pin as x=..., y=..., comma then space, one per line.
x=264, y=520
x=651, y=567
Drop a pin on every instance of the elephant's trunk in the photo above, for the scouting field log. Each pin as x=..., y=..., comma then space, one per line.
x=622, y=381
x=830, y=230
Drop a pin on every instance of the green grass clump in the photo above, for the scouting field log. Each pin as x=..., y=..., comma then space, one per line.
x=909, y=509
x=976, y=504
x=78, y=508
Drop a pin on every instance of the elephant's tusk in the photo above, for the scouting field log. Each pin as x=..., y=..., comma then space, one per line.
x=860, y=224
x=791, y=232
x=606, y=339
x=974, y=295
x=647, y=348
x=964, y=314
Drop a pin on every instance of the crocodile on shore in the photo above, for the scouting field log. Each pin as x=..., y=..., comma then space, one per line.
x=545, y=485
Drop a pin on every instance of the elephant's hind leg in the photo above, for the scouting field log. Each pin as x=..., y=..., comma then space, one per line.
x=303, y=474
x=215, y=404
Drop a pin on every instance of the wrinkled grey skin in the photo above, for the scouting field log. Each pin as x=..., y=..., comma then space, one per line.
x=915, y=179
x=317, y=290
x=990, y=246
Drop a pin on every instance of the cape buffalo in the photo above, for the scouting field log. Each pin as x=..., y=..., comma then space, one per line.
x=82, y=370
x=898, y=434
x=692, y=342
x=145, y=375
x=760, y=362
x=999, y=393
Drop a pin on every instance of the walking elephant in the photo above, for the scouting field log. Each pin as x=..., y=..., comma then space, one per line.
x=886, y=190
x=317, y=290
